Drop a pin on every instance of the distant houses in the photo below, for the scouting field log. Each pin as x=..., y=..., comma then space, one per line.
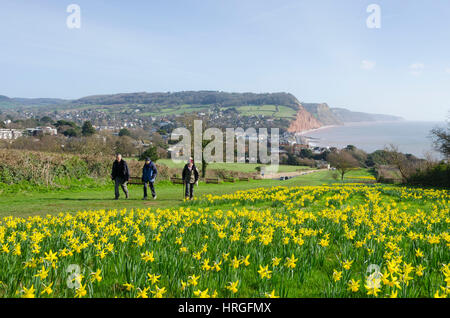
x=41, y=131
x=11, y=134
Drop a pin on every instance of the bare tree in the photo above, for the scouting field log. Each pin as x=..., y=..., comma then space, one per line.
x=441, y=140
x=139, y=133
x=343, y=161
x=157, y=139
x=125, y=146
x=94, y=145
x=407, y=165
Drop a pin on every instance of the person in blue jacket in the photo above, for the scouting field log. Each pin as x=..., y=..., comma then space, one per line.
x=149, y=173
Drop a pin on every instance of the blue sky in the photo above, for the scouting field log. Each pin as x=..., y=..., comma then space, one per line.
x=318, y=50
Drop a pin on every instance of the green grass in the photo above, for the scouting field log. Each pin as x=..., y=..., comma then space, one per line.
x=176, y=110
x=279, y=213
x=247, y=110
x=279, y=111
x=38, y=203
x=50, y=202
x=266, y=110
x=282, y=212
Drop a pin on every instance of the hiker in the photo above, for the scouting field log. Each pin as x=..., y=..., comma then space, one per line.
x=120, y=174
x=190, y=178
x=149, y=173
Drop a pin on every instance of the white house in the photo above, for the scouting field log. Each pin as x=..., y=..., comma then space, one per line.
x=10, y=133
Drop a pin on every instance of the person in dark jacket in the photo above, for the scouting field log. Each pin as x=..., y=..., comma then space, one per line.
x=190, y=178
x=120, y=174
x=149, y=173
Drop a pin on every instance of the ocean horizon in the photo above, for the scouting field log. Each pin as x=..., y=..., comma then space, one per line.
x=412, y=137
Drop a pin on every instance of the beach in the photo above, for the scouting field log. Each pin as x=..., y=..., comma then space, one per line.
x=304, y=132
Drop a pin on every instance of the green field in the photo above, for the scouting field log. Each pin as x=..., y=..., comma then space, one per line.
x=247, y=110
x=41, y=203
x=348, y=240
x=276, y=111
x=267, y=110
x=309, y=236
x=176, y=110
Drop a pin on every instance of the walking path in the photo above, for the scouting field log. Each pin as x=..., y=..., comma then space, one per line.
x=278, y=175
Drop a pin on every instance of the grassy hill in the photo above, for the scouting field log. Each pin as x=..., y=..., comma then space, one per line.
x=191, y=98
x=275, y=111
x=37, y=202
x=6, y=102
x=280, y=105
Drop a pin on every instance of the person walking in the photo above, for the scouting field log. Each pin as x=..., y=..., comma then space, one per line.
x=149, y=173
x=190, y=178
x=120, y=174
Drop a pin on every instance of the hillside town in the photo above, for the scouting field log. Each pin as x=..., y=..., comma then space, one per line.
x=141, y=132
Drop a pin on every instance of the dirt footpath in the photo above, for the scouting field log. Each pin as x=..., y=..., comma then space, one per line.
x=278, y=175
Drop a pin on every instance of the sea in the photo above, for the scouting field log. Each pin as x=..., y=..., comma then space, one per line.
x=409, y=136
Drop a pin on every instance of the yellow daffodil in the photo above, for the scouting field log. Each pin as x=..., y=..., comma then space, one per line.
x=271, y=294
x=128, y=286
x=81, y=292
x=264, y=272
x=353, y=285
x=290, y=261
x=337, y=275
x=28, y=292
x=96, y=276
x=47, y=289
x=142, y=293
x=232, y=286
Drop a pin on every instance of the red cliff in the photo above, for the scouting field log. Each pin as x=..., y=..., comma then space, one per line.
x=303, y=121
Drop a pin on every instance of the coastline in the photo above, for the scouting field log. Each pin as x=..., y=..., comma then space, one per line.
x=355, y=123
x=302, y=133
x=409, y=136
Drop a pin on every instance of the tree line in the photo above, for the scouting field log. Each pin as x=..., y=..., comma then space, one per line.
x=192, y=98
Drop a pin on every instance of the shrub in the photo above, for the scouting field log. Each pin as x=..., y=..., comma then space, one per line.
x=151, y=153
x=435, y=176
x=40, y=168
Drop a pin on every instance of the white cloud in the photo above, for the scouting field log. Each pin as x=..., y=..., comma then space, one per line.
x=416, y=68
x=368, y=65
x=447, y=70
